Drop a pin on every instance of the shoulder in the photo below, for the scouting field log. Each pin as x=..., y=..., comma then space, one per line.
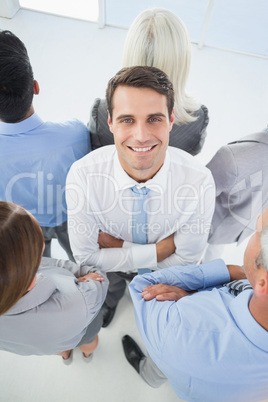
x=222, y=158
x=100, y=133
x=237, y=148
x=191, y=137
x=240, y=157
x=99, y=106
x=98, y=113
x=74, y=127
x=202, y=118
x=99, y=160
x=181, y=161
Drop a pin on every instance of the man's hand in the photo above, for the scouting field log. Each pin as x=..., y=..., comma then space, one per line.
x=165, y=248
x=91, y=275
x=107, y=241
x=236, y=272
x=164, y=292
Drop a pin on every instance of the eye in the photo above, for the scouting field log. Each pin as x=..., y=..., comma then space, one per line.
x=154, y=119
x=127, y=121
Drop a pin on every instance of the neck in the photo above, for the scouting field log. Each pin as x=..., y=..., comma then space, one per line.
x=28, y=114
x=141, y=176
x=258, y=307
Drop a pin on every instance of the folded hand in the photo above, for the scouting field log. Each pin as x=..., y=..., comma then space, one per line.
x=164, y=292
x=106, y=240
x=92, y=275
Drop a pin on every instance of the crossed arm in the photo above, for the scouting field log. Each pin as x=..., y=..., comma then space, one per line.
x=164, y=291
x=164, y=248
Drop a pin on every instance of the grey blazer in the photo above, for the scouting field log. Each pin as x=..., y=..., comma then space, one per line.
x=55, y=314
x=240, y=171
x=189, y=137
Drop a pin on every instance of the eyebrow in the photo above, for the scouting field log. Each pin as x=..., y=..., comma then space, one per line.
x=157, y=115
x=128, y=116
x=124, y=116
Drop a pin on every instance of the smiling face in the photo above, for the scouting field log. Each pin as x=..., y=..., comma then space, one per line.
x=141, y=126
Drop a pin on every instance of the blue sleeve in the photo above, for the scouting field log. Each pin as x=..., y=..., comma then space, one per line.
x=190, y=277
x=153, y=317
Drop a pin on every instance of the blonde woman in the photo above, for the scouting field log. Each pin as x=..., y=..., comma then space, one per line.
x=158, y=38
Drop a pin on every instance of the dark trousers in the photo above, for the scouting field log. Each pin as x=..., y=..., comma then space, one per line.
x=58, y=232
x=117, y=286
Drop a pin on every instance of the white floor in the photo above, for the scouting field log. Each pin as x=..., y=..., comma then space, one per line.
x=73, y=61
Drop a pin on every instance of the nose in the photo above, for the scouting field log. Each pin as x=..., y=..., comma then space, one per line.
x=140, y=132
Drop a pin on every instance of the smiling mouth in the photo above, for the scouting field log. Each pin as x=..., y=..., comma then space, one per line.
x=146, y=149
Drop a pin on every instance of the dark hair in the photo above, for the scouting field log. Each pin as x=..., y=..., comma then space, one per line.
x=16, y=78
x=21, y=247
x=141, y=77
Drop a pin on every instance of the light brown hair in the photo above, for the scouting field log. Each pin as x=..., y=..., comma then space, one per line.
x=21, y=247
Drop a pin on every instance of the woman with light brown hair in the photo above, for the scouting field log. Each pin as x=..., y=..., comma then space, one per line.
x=49, y=306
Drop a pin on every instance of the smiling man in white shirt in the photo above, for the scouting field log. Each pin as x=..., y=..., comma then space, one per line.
x=181, y=197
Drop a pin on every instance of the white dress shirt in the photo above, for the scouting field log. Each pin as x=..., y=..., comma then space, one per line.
x=181, y=200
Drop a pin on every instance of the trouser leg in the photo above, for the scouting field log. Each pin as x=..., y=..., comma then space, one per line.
x=117, y=286
x=58, y=232
x=48, y=235
x=61, y=232
x=151, y=373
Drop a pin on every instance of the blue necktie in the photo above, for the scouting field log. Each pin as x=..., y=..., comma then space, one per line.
x=139, y=220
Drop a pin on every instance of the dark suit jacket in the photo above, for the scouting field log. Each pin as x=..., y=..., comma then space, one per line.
x=189, y=137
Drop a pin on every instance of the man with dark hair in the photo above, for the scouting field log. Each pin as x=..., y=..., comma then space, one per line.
x=35, y=156
x=138, y=204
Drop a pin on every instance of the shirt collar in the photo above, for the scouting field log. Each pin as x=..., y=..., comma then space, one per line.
x=245, y=321
x=21, y=127
x=40, y=293
x=158, y=183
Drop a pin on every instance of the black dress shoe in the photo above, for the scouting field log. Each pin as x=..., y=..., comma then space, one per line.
x=107, y=314
x=133, y=352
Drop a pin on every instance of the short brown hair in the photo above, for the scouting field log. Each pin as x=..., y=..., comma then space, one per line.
x=141, y=77
x=21, y=247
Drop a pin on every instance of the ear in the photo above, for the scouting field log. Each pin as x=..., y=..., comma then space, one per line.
x=262, y=220
x=265, y=285
x=172, y=118
x=36, y=88
x=261, y=286
x=110, y=124
x=32, y=284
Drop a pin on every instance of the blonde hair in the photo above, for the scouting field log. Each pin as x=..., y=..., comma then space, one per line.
x=158, y=38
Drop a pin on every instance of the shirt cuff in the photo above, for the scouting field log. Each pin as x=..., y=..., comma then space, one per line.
x=215, y=273
x=127, y=244
x=144, y=256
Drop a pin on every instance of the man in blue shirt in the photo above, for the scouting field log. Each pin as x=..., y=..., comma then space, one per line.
x=35, y=156
x=211, y=345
